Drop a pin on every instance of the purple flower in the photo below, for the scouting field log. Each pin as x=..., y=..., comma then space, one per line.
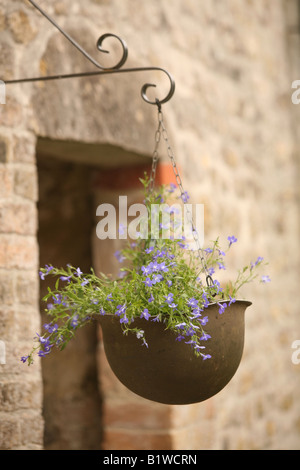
x=148, y=282
x=157, y=318
x=78, y=272
x=146, y=270
x=121, y=309
x=42, y=275
x=151, y=298
x=231, y=240
x=192, y=302
x=221, y=266
x=197, y=312
x=124, y=319
x=42, y=353
x=169, y=298
x=148, y=250
x=172, y=305
x=74, y=321
x=154, y=266
x=169, y=283
x=145, y=314
x=190, y=331
x=180, y=326
x=205, y=337
x=265, y=279
x=102, y=311
x=185, y=197
x=206, y=356
x=65, y=278
x=109, y=298
x=163, y=267
x=232, y=300
x=58, y=299
x=222, y=307
x=179, y=338
x=51, y=328
x=156, y=278
x=203, y=320
x=190, y=342
x=140, y=334
x=144, y=343
x=85, y=282
x=172, y=188
x=119, y=256
x=24, y=358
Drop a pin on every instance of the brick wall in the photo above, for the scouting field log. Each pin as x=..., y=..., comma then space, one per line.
x=236, y=138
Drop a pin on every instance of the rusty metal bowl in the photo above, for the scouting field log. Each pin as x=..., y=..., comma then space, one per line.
x=168, y=371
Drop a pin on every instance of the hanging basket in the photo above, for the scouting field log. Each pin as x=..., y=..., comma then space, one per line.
x=168, y=371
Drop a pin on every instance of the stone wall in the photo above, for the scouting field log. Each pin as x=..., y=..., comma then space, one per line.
x=235, y=133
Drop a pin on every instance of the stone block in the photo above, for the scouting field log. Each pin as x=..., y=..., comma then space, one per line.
x=17, y=251
x=20, y=218
x=25, y=183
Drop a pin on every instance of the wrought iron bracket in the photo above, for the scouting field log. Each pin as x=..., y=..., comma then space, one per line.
x=100, y=69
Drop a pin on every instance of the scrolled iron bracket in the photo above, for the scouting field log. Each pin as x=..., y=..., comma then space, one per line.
x=103, y=70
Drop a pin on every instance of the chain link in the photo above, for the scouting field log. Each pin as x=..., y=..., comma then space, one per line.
x=162, y=132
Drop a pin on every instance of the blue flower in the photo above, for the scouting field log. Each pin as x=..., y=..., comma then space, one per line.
x=156, y=278
x=163, y=267
x=42, y=353
x=169, y=283
x=172, y=188
x=109, y=298
x=221, y=266
x=169, y=298
x=102, y=311
x=74, y=321
x=65, y=278
x=51, y=328
x=148, y=250
x=265, y=279
x=121, y=309
x=145, y=314
x=206, y=356
x=192, y=302
x=119, y=256
x=154, y=266
x=203, y=320
x=157, y=318
x=231, y=240
x=185, y=197
x=124, y=319
x=85, y=282
x=222, y=307
x=78, y=272
x=205, y=337
x=179, y=338
x=151, y=298
x=146, y=270
x=148, y=282
x=172, y=305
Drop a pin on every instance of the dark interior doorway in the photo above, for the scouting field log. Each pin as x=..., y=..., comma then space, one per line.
x=72, y=403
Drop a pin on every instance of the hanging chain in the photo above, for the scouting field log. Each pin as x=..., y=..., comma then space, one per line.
x=162, y=131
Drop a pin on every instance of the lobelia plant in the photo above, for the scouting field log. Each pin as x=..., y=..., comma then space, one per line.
x=162, y=282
